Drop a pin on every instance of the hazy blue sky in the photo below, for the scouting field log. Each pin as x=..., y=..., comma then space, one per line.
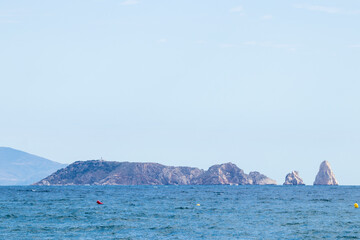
x=271, y=86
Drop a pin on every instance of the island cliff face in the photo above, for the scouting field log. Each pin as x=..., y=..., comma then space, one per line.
x=293, y=178
x=98, y=172
x=230, y=174
x=325, y=175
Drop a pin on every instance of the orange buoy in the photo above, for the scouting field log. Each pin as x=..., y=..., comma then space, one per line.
x=98, y=202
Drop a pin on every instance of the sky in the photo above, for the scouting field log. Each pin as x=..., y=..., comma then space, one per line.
x=271, y=86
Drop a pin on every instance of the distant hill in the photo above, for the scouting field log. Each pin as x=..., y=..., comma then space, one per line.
x=21, y=168
x=99, y=172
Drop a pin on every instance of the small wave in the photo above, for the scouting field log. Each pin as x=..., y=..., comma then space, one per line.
x=182, y=208
x=321, y=200
x=292, y=224
x=347, y=237
x=10, y=216
x=32, y=190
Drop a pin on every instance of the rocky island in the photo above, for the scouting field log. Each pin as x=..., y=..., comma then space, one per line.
x=99, y=172
x=325, y=175
x=293, y=178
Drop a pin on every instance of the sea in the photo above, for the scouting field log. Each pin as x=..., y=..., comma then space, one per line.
x=179, y=212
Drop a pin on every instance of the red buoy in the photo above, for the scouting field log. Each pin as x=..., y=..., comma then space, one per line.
x=98, y=202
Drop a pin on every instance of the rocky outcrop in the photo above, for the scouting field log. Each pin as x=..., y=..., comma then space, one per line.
x=260, y=179
x=150, y=174
x=325, y=175
x=227, y=173
x=98, y=172
x=293, y=178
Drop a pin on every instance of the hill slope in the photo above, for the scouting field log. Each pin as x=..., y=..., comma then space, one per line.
x=98, y=172
x=21, y=168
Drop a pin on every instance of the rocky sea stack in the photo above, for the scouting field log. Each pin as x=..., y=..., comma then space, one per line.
x=98, y=172
x=293, y=178
x=325, y=175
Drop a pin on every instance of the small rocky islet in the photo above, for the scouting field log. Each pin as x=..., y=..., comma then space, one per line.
x=325, y=175
x=293, y=178
x=100, y=172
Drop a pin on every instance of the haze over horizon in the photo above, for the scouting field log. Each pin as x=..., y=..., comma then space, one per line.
x=271, y=87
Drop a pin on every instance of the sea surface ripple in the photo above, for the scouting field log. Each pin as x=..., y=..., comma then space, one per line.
x=171, y=212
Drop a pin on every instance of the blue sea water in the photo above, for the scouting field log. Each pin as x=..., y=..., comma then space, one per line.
x=171, y=212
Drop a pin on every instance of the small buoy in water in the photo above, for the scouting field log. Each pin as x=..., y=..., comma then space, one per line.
x=356, y=205
x=198, y=204
x=98, y=202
